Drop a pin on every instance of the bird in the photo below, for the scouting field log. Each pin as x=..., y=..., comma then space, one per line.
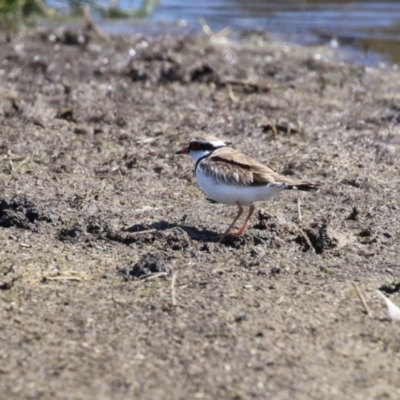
x=230, y=177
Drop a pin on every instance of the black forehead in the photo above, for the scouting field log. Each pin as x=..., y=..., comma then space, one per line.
x=201, y=145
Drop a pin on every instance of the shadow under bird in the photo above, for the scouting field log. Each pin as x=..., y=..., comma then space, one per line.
x=230, y=177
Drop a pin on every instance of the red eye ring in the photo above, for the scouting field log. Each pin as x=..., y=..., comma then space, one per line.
x=195, y=145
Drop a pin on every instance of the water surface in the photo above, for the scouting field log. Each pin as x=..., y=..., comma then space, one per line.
x=368, y=31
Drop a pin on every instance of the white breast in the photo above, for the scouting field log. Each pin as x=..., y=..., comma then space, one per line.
x=230, y=194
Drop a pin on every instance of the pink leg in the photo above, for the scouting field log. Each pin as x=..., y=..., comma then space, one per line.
x=244, y=226
x=239, y=214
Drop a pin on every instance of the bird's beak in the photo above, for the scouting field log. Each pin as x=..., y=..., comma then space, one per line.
x=185, y=150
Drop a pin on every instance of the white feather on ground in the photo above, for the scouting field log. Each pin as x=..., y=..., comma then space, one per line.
x=393, y=310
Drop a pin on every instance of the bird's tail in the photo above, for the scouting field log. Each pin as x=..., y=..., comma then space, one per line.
x=304, y=186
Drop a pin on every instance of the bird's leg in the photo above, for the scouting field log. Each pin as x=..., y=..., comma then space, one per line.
x=239, y=214
x=244, y=226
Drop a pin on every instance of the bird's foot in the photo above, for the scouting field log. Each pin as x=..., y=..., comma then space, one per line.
x=221, y=238
x=235, y=233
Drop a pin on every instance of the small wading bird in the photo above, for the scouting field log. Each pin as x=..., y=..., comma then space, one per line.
x=230, y=177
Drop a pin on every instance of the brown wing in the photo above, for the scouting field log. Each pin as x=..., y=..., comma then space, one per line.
x=227, y=165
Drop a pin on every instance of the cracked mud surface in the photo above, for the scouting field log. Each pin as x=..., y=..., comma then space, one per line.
x=93, y=201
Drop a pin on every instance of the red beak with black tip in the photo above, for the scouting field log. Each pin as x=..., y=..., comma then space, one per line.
x=185, y=150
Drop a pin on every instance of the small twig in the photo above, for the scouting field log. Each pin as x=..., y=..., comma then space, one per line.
x=173, y=294
x=274, y=130
x=62, y=278
x=362, y=299
x=307, y=239
x=298, y=208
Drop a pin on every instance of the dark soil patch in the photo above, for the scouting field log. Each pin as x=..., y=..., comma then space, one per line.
x=151, y=263
x=71, y=234
x=391, y=288
x=23, y=213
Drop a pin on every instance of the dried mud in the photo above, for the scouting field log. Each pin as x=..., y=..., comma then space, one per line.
x=112, y=284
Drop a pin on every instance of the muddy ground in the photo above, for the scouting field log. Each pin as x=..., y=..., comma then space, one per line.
x=112, y=286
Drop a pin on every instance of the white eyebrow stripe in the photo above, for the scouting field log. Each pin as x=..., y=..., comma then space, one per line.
x=218, y=143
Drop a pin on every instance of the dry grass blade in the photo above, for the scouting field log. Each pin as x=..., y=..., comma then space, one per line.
x=299, y=208
x=307, y=240
x=63, y=278
x=232, y=96
x=173, y=293
x=149, y=277
x=362, y=299
x=92, y=25
x=206, y=28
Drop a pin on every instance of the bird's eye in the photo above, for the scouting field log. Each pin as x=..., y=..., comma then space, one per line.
x=195, y=145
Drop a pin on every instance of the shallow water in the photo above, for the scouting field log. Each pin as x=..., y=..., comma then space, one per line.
x=368, y=31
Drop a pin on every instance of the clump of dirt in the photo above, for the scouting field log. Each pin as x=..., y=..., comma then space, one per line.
x=71, y=234
x=23, y=213
x=323, y=237
x=278, y=230
x=150, y=263
x=8, y=276
x=315, y=236
x=390, y=288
